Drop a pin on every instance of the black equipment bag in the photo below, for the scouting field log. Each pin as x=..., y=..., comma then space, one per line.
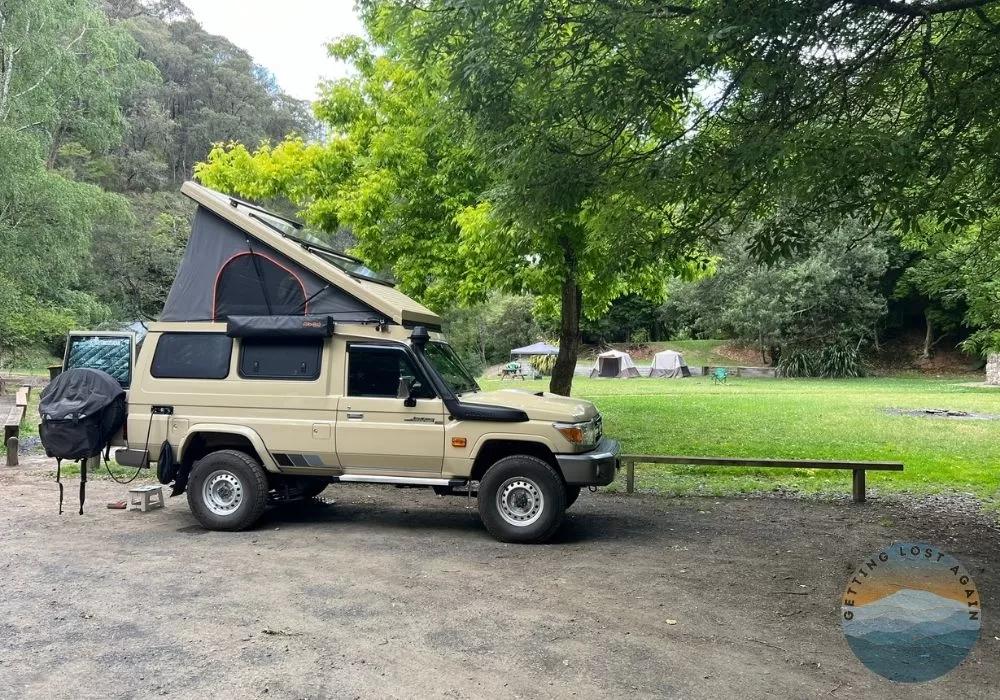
x=82, y=410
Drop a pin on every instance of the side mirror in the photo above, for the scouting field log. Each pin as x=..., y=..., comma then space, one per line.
x=405, y=392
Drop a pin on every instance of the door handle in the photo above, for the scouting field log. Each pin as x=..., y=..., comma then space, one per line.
x=355, y=416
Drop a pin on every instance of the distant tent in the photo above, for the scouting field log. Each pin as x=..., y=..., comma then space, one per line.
x=536, y=349
x=669, y=364
x=614, y=363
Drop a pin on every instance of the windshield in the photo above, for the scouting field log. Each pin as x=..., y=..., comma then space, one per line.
x=451, y=369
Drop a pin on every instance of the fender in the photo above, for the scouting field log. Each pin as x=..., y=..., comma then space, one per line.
x=265, y=457
x=515, y=437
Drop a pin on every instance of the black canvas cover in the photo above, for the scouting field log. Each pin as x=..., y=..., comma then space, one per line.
x=226, y=272
x=280, y=326
x=81, y=410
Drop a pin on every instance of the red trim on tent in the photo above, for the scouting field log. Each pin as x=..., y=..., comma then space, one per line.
x=215, y=285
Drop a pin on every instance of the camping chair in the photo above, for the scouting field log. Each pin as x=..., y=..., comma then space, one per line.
x=720, y=375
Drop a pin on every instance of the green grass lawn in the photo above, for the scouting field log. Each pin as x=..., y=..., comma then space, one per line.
x=801, y=419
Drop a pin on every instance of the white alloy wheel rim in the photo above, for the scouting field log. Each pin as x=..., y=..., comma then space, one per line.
x=223, y=492
x=520, y=501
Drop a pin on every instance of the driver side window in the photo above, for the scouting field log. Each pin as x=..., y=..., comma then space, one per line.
x=375, y=372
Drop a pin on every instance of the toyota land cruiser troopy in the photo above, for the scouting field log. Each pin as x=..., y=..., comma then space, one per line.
x=280, y=366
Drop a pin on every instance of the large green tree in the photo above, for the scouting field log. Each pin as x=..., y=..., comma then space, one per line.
x=455, y=214
x=788, y=112
x=563, y=128
x=63, y=73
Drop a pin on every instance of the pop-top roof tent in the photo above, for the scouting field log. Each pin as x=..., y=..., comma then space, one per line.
x=614, y=363
x=670, y=364
x=536, y=349
x=243, y=260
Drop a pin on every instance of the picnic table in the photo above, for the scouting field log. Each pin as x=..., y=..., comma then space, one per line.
x=513, y=370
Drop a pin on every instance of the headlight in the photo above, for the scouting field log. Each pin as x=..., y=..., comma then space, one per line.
x=585, y=434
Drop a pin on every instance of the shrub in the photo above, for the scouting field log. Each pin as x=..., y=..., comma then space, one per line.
x=833, y=361
x=796, y=363
x=543, y=363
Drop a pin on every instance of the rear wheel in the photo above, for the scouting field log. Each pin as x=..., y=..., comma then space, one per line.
x=522, y=499
x=227, y=491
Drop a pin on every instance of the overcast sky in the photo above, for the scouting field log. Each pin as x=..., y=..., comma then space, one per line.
x=285, y=36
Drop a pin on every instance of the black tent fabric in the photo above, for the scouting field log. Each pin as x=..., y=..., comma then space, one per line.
x=225, y=273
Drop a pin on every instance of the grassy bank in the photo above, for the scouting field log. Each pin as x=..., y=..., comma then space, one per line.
x=805, y=419
x=696, y=353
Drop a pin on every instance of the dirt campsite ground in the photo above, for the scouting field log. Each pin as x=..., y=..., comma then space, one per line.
x=392, y=593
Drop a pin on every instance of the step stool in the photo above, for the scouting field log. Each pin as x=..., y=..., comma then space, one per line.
x=139, y=498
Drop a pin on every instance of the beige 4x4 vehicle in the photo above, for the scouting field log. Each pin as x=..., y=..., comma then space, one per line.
x=280, y=366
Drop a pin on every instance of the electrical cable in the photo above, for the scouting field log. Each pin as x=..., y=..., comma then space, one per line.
x=115, y=478
x=149, y=429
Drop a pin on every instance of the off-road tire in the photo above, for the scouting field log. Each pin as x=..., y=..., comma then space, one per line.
x=522, y=482
x=572, y=493
x=232, y=481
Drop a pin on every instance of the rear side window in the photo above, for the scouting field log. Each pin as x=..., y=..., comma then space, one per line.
x=279, y=358
x=192, y=356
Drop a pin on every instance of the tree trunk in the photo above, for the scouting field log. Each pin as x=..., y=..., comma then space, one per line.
x=50, y=158
x=929, y=336
x=569, y=338
x=775, y=351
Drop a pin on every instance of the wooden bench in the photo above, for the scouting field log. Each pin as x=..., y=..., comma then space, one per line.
x=12, y=423
x=858, y=468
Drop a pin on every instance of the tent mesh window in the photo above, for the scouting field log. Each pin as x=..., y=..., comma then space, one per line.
x=251, y=284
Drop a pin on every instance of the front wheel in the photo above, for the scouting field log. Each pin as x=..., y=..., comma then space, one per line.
x=522, y=499
x=228, y=490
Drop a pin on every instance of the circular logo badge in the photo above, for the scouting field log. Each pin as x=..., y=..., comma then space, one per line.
x=911, y=613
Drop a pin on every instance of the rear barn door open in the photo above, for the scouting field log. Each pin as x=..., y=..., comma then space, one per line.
x=112, y=352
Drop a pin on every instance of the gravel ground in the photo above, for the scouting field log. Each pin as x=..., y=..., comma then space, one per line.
x=391, y=593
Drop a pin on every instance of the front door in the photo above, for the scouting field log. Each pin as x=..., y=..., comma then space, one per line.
x=376, y=431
